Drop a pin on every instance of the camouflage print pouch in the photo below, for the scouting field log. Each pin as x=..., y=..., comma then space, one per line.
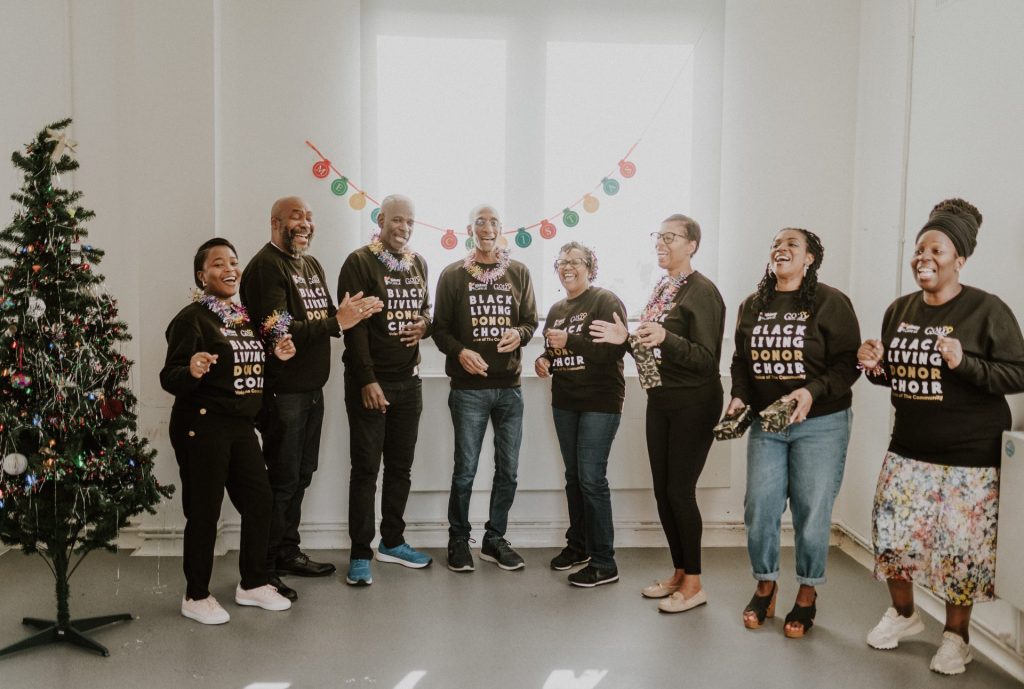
x=775, y=417
x=646, y=364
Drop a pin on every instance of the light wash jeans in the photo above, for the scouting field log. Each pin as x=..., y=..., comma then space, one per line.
x=803, y=463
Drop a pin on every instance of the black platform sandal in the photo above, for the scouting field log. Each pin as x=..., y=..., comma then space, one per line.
x=762, y=607
x=802, y=615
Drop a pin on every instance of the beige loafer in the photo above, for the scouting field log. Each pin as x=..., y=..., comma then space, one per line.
x=677, y=603
x=659, y=589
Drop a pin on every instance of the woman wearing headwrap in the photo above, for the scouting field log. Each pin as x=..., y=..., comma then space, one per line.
x=949, y=354
x=796, y=341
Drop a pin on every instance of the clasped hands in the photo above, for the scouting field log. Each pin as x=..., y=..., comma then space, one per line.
x=474, y=363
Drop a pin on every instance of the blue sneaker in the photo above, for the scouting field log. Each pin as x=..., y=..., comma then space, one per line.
x=359, y=573
x=404, y=555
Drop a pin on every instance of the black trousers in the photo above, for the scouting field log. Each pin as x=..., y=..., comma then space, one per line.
x=678, y=441
x=215, y=452
x=290, y=424
x=373, y=435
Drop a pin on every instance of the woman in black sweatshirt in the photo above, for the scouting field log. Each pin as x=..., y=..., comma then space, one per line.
x=949, y=354
x=587, y=391
x=796, y=340
x=214, y=369
x=677, y=347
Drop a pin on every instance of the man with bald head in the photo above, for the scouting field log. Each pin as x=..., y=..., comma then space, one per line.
x=383, y=395
x=283, y=278
x=486, y=314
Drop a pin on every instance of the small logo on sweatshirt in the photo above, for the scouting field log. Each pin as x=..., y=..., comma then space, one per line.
x=908, y=328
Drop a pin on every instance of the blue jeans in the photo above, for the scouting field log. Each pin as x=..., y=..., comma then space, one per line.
x=805, y=464
x=290, y=424
x=471, y=409
x=586, y=441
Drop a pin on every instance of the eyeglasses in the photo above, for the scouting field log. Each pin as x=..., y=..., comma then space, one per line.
x=481, y=222
x=666, y=237
x=574, y=262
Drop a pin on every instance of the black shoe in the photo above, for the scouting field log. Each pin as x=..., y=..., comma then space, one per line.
x=283, y=588
x=300, y=565
x=591, y=576
x=500, y=552
x=459, y=557
x=569, y=558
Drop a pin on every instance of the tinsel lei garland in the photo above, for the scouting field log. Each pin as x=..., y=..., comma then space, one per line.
x=275, y=327
x=491, y=274
x=662, y=296
x=231, y=314
x=401, y=264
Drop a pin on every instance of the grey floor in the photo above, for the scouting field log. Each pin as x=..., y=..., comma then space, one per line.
x=489, y=628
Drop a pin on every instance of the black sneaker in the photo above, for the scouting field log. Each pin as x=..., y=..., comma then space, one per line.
x=591, y=576
x=569, y=558
x=459, y=557
x=500, y=552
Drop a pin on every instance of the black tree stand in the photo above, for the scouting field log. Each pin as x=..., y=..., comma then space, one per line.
x=64, y=628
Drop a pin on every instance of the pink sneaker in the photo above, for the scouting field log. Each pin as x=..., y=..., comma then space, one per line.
x=205, y=611
x=265, y=597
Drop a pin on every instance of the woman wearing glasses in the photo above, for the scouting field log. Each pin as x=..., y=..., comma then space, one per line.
x=681, y=331
x=587, y=390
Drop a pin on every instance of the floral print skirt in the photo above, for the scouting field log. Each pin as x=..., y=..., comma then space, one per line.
x=935, y=525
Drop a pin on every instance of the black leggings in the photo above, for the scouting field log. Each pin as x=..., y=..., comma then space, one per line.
x=215, y=452
x=678, y=441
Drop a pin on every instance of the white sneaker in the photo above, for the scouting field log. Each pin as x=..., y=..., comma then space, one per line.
x=265, y=597
x=952, y=656
x=205, y=611
x=892, y=627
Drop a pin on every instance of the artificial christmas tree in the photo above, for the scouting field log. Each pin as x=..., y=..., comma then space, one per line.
x=74, y=469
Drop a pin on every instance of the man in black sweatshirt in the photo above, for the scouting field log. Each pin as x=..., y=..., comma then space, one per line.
x=486, y=313
x=383, y=394
x=282, y=278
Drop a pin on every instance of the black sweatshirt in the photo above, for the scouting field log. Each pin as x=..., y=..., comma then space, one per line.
x=373, y=349
x=275, y=281
x=781, y=348
x=688, y=358
x=472, y=315
x=586, y=375
x=953, y=417
x=234, y=385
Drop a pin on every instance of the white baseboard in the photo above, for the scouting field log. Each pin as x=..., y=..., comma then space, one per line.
x=149, y=541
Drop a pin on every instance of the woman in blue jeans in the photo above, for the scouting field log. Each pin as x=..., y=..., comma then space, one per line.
x=796, y=340
x=587, y=391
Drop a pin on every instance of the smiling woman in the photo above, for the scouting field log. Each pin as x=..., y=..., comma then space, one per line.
x=214, y=369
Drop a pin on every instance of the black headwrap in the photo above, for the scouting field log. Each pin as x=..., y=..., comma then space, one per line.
x=961, y=228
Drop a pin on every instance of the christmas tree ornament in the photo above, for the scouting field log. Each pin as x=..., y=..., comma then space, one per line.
x=548, y=230
x=339, y=187
x=357, y=201
x=590, y=203
x=111, y=408
x=321, y=168
x=21, y=380
x=374, y=214
x=626, y=168
x=15, y=464
x=470, y=244
x=523, y=238
x=610, y=186
x=570, y=218
x=36, y=308
x=449, y=240
x=61, y=143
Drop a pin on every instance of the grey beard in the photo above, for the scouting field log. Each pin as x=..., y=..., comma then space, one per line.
x=289, y=245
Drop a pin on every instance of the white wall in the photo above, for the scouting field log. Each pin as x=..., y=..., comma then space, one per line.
x=192, y=118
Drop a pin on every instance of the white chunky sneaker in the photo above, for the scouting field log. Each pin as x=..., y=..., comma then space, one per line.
x=204, y=611
x=892, y=627
x=265, y=597
x=952, y=656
